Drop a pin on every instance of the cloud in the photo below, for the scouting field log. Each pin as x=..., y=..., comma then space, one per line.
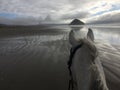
x=8, y=15
x=57, y=9
x=112, y=17
x=34, y=8
x=77, y=14
x=103, y=7
x=19, y=21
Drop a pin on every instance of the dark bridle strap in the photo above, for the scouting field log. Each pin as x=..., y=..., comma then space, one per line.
x=72, y=53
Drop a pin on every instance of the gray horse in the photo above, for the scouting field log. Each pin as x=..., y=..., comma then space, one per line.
x=85, y=65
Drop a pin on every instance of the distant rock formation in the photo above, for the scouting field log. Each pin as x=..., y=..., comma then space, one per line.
x=76, y=22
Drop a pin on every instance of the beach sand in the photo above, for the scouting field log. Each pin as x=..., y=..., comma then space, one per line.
x=36, y=59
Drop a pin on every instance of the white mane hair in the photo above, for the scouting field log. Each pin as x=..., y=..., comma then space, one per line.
x=96, y=68
x=90, y=45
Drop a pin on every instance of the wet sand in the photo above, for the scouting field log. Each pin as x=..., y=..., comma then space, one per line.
x=36, y=59
x=33, y=60
x=110, y=58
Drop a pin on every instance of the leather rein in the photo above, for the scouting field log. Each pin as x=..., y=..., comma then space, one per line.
x=70, y=61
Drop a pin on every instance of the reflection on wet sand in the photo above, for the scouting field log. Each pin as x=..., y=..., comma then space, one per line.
x=36, y=59
x=33, y=59
x=33, y=65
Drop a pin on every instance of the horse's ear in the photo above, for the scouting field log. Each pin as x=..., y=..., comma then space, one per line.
x=90, y=35
x=72, y=38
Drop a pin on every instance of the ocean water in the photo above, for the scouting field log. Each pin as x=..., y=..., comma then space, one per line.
x=36, y=58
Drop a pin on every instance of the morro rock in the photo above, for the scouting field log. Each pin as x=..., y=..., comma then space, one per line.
x=76, y=22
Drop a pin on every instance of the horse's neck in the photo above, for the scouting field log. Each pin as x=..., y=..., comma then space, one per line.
x=82, y=56
x=81, y=67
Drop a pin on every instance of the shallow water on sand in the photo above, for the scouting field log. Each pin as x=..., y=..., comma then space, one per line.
x=32, y=59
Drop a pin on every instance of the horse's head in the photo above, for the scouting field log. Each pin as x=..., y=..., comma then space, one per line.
x=74, y=40
x=83, y=59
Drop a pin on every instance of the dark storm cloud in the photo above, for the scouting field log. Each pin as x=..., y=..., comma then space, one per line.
x=74, y=15
x=57, y=9
x=32, y=7
x=78, y=2
x=19, y=21
x=107, y=18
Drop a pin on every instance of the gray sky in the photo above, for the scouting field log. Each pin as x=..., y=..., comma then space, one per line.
x=37, y=11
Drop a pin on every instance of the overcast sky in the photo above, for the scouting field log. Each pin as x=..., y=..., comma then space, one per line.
x=38, y=11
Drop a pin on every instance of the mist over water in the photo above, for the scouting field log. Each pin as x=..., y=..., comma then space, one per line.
x=33, y=59
x=110, y=35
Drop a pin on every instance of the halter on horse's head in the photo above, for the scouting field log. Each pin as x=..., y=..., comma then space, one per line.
x=84, y=64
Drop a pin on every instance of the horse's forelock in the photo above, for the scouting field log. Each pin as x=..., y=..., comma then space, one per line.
x=91, y=46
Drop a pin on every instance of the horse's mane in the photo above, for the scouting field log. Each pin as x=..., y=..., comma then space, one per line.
x=99, y=77
x=91, y=46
